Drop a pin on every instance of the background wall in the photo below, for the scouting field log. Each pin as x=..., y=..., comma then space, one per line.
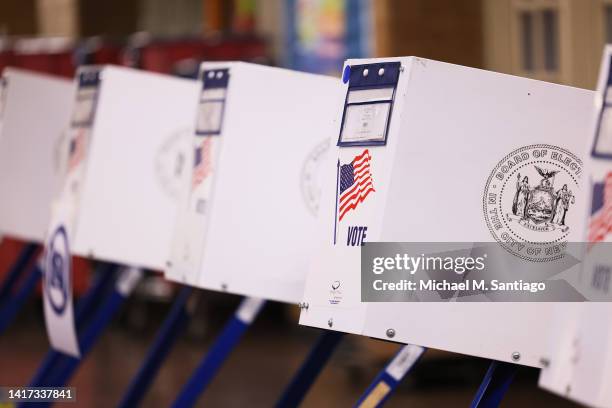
x=446, y=30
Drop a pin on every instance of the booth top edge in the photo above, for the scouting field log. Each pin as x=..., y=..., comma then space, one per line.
x=407, y=61
x=8, y=71
x=232, y=65
x=128, y=71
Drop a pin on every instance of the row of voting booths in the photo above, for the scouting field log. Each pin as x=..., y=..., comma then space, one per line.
x=269, y=184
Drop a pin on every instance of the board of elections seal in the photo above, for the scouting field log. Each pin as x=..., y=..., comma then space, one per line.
x=170, y=162
x=311, y=174
x=529, y=201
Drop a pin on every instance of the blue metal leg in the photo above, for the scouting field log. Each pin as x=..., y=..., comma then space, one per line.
x=496, y=382
x=221, y=349
x=389, y=378
x=17, y=269
x=67, y=365
x=100, y=320
x=164, y=340
x=310, y=369
x=105, y=276
x=11, y=309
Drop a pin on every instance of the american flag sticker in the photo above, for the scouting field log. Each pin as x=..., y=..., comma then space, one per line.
x=201, y=164
x=355, y=183
x=600, y=224
x=77, y=149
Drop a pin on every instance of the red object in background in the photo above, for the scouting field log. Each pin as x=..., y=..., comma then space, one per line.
x=82, y=273
x=237, y=49
x=6, y=59
x=9, y=252
x=163, y=56
x=105, y=54
x=47, y=55
x=97, y=51
x=11, y=248
x=61, y=64
x=57, y=56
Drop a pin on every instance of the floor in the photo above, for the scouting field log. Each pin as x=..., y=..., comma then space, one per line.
x=256, y=372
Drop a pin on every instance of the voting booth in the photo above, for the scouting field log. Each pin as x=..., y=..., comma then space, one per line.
x=129, y=132
x=34, y=112
x=579, y=362
x=426, y=151
x=128, y=139
x=247, y=224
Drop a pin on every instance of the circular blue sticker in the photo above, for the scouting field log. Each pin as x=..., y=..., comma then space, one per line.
x=57, y=270
x=346, y=74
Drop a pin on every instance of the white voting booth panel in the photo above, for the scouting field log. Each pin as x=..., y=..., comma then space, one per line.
x=139, y=125
x=248, y=224
x=429, y=165
x=34, y=115
x=579, y=363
